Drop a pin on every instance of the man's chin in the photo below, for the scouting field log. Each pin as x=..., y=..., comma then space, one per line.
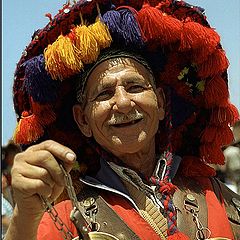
x=128, y=145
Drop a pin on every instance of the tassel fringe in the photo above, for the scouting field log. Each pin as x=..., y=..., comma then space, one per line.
x=62, y=58
x=101, y=33
x=195, y=167
x=216, y=92
x=38, y=83
x=157, y=27
x=86, y=44
x=132, y=34
x=216, y=63
x=195, y=36
x=28, y=129
x=212, y=153
x=220, y=115
x=221, y=135
x=113, y=21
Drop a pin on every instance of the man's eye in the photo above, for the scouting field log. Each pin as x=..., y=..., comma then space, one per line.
x=104, y=95
x=136, y=89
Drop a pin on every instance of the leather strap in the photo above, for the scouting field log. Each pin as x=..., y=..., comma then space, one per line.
x=187, y=185
x=231, y=203
x=107, y=220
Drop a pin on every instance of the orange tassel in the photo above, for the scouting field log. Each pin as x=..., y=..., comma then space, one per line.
x=216, y=92
x=215, y=64
x=158, y=27
x=28, y=129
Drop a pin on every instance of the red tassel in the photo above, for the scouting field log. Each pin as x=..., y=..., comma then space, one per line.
x=195, y=36
x=28, y=129
x=228, y=114
x=194, y=167
x=44, y=113
x=178, y=236
x=212, y=153
x=224, y=136
x=235, y=114
x=215, y=64
x=158, y=27
x=221, y=135
x=209, y=134
x=216, y=92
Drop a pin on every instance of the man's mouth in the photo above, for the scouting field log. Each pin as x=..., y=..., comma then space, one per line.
x=126, y=124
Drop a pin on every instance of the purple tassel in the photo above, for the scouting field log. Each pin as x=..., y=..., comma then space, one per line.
x=131, y=30
x=38, y=83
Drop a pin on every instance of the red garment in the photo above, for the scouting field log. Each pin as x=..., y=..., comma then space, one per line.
x=131, y=217
x=218, y=221
x=216, y=213
x=48, y=231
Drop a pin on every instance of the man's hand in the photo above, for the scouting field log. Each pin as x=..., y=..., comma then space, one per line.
x=36, y=171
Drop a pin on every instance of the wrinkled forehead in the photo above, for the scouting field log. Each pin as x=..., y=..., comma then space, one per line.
x=105, y=70
x=109, y=60
x=113, y=68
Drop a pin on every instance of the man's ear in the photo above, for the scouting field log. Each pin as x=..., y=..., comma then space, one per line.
x=81, y=120
x=161, y=103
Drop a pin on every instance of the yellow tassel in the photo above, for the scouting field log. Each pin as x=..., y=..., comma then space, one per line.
x=86, y=44
x=101, y=33
x=63, y=59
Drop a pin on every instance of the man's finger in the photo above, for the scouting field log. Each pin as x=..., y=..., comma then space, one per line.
x=58, y=150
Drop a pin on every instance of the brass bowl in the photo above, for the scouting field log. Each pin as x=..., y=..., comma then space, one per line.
x=99, y=236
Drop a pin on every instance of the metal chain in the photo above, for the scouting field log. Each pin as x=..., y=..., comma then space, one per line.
x=59, y=224
x=70, y=189
x=191, y=205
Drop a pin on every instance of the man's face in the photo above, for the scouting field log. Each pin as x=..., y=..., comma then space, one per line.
x=122, y=108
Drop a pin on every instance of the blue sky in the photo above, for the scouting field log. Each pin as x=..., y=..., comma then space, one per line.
x=20, y=18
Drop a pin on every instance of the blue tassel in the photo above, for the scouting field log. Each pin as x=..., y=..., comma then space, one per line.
x=38, y=83
x=112, y=19
x=124, y=27
x=131, y=30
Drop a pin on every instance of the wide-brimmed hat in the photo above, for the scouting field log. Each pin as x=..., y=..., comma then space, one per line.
x=183, y=51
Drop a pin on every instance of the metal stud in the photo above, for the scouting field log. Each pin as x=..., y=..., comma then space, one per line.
x=88, y=202
x=190, y=197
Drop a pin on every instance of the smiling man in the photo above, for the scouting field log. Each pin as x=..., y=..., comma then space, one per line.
x=136, y=94
x=122, y=111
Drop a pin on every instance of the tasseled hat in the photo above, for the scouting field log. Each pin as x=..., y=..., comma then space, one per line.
x=176, y=40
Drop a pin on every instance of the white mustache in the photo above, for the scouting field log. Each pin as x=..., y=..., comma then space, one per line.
x=123, y=118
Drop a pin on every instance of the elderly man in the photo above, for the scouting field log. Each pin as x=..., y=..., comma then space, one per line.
x=146, y=125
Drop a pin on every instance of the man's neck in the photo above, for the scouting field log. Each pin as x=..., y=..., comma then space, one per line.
x=143, y=161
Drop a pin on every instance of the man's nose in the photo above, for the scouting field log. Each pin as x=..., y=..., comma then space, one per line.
x=122, y=100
